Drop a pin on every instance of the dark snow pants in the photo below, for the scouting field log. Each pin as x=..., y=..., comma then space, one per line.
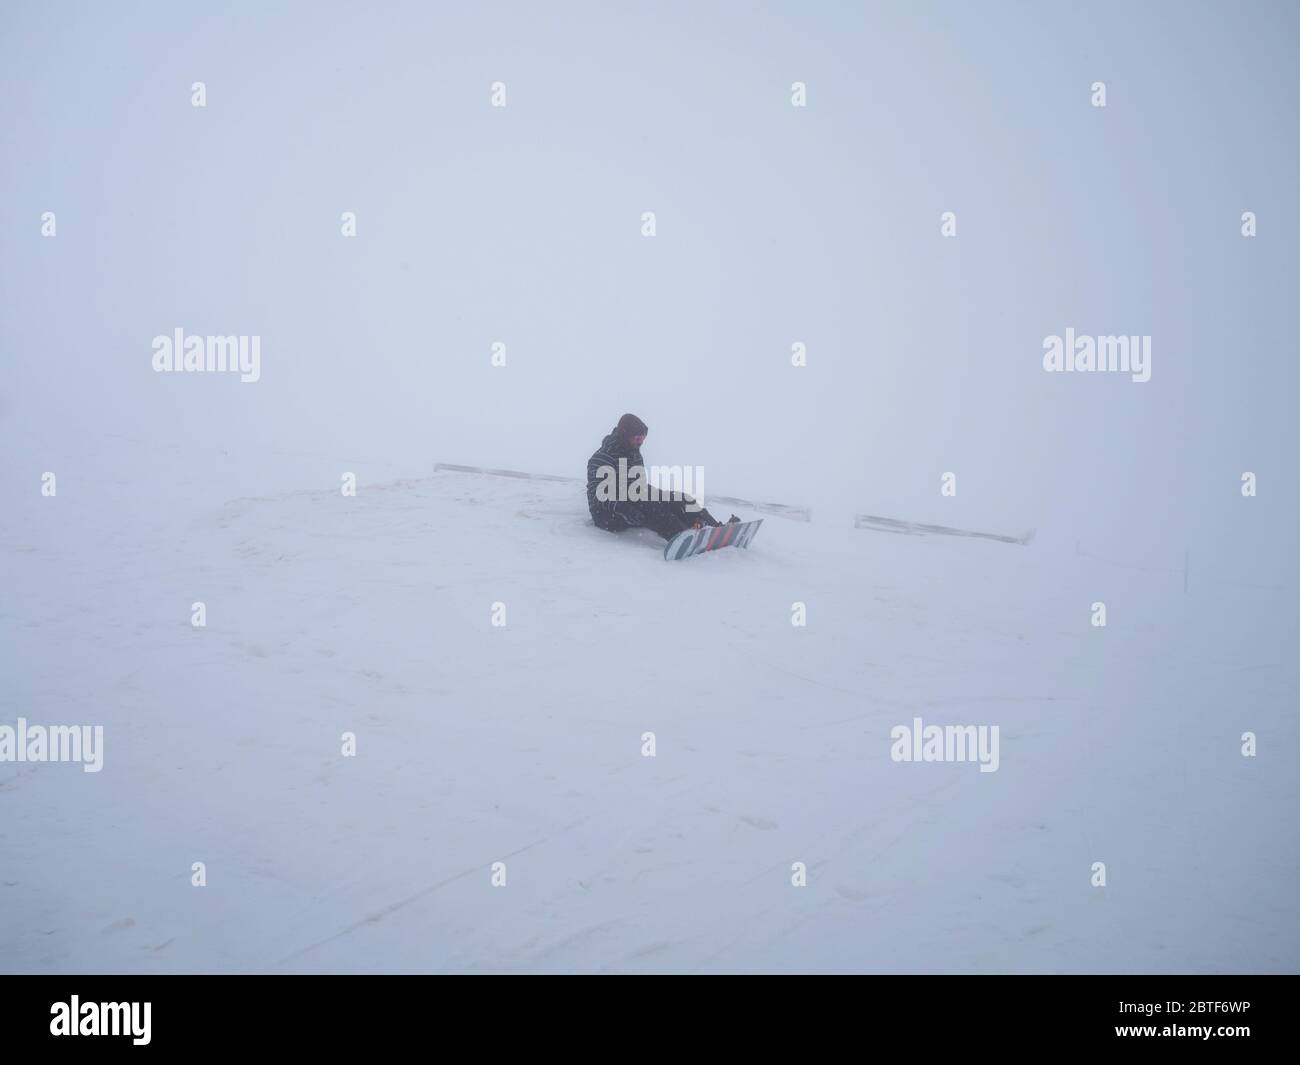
x=667, y=517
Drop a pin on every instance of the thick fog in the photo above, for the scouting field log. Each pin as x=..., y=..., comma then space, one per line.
x=775, y=225
x=861, y=258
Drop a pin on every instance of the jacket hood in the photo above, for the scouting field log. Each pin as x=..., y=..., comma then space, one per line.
x=616, y=445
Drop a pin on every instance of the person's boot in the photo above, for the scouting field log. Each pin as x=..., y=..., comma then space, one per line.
x=733, y=520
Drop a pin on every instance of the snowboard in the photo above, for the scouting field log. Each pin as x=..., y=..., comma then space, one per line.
x=710, y=538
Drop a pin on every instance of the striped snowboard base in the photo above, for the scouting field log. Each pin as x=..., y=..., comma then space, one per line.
x=710, y=538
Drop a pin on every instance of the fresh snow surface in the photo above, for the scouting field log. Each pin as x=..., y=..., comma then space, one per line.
x=522, y=744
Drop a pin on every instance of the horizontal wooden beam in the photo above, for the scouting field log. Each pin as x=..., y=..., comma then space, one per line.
x=916, y=528
x=780, y=510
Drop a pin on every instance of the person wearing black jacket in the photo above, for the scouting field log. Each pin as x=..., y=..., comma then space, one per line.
x=666, y=516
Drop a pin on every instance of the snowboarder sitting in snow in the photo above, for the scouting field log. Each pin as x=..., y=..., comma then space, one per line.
x=668, y=514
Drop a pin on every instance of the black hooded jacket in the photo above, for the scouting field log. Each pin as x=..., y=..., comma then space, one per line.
x=612, y=448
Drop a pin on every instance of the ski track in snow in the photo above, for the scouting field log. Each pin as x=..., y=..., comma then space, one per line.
x=522, y=745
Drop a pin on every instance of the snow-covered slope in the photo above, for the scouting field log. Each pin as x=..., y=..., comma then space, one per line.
x=522, y=744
